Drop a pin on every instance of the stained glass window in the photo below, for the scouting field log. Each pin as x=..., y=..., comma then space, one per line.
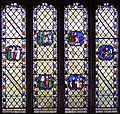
x=45, y=58
x=13, y=58
x=76, y=58
x=106, y=58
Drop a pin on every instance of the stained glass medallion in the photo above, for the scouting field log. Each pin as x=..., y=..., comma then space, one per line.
x=45, y=82
x=76, y=58
x=76, y=82
x=45, y=38
x=106, y=52
x=13, y=58
x=75, y=38
x=106, y=58
x=13, y=53
x=45, y=58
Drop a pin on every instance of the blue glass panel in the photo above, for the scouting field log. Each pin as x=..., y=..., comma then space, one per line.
x=106, y=52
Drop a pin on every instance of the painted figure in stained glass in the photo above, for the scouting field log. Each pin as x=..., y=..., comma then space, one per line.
x=106, y=52
x=13, y=53
x=44, y=38
x=76, y=82
x=75, y=37
x=45, y=82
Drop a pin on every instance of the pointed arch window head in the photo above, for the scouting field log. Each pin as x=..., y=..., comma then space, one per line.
x=13, y=58
x=76, y=58
x=45, y=58
x=106, y=58
x=13, y=21
x=106, y=21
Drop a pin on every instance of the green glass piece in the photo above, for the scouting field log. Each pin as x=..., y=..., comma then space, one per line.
x=8, y=54
x=51, y=82
x=40, y=40
x=35, y=45
x=70, y=37
x=109, y=54
x=41, y=84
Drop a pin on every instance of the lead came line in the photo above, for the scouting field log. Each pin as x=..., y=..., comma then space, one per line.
x=16, y=85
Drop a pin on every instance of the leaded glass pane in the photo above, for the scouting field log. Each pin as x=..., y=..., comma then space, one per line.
x=13, y=58
x=45, y=58
x=106, y=58
x=76, y=58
